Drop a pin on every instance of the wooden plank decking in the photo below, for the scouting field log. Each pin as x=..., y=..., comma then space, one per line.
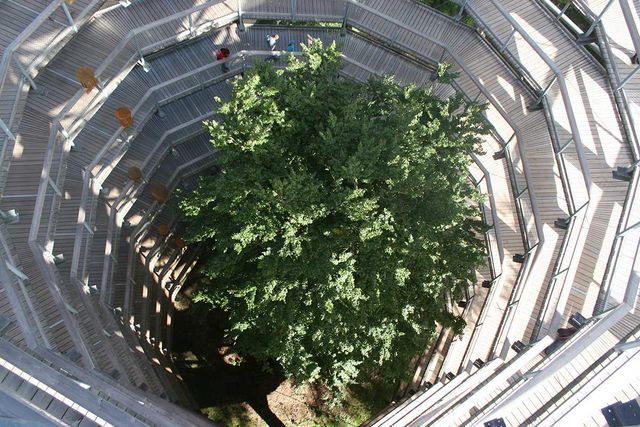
x=530, y=178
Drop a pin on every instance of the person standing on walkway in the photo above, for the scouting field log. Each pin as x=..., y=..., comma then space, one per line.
x=272, y=40
x=222, y=54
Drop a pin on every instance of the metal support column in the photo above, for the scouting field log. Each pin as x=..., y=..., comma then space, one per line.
x=463, y=6
x=564, y=9
x=585, y=36
x=55, y=187
x=508, y=40
x=537, y=104
x=343, y=30
x=74, y=27
x=7, y=131
x=240, y=21
x=145, y=65
x=564, y=147
x=87, y=227
x=26, y=75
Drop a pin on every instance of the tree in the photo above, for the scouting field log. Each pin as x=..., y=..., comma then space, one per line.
x=342, y=218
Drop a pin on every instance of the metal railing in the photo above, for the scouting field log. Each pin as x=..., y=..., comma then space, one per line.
x=107, y=158
x=588, y=333
x=149, y=217
x=121, y=205
x=50, y=191
x=19, y=65
x=132, y=48
x=64, y=128
x=436, y=54
x=495, y=254
x=125, y=195
x=566, y=140
x=18, y=68
x=440, y=52
x=17, y=289
x=626, y=234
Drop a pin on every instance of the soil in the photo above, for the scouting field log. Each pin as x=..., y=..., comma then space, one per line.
x=245, y=394
x=204, y=363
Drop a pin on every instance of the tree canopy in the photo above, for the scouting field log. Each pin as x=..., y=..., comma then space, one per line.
x=342, y=219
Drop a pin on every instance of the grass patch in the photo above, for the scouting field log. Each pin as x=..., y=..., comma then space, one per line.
x=297, y=407
x=238, y=396
x=291, y=23
x=448, y=7
x=230, y=415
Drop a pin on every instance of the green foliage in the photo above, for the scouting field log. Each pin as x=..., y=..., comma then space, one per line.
x=448, y=7
x=443, y=73
x=288, y=22
x=575, y=14
x=342, y=219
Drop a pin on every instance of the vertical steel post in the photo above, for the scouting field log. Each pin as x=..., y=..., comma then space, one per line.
x=240, y=21
x=463, y=7
x=74, y=27
x=27, y=76
x=564, y=9
x=507, y=41
x=7, y=131
x=343, y=30
x=596, y=21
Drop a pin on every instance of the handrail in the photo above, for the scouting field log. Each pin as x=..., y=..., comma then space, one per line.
x=575, y=202
x=115, y=204
x=24, y=71
x=57, y=128
x=150, y=406
x=144, y=225
x=455, y=57
x=63, y=145
x=58, y=149
x=28, y=318
x=632, y=129
x=502, y=112
x=531, y=247
x=559, y=359
x=93, y=179
x=563, y=90
x=116, y=215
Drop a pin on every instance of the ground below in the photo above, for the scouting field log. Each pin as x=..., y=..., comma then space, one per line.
x=247, y=395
